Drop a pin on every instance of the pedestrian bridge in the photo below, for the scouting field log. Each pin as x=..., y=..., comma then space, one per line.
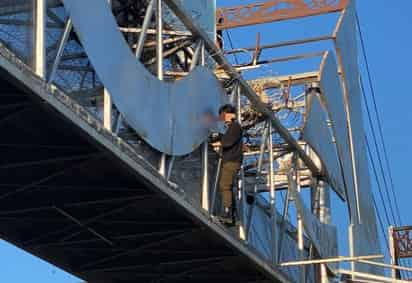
x=96, y=182
x=79, y=197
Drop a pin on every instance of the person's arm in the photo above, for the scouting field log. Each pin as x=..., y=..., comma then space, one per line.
x=232, y=136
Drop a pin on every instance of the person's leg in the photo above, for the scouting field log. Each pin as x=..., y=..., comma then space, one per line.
x=229, y=172
x=225, y=184
x=235, y=167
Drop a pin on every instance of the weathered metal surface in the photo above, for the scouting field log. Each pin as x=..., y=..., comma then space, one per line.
x=323, y=236
x=317, y=133
x=403, y=242
x=275, y=10
x=152, y=200
x=364, y=238
x=202, y=12
x=247, y=90
x=332, y=97
x=363, y=243
x=260, y=237
x=169, y=116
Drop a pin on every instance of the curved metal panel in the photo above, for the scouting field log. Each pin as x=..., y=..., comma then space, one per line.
x=260, y=234
x=332, y=97
x=365, y=234
x=260, y=237
x=316, y=132
x=364, y=243
x=169, y=116
x=324, y=237
x=202, y=11
x=346, y=44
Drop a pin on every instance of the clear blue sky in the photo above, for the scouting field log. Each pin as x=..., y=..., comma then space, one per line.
x=387, y=29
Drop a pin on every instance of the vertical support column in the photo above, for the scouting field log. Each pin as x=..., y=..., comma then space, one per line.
x=272, y=196
x=238, y=104
x=39, y=53
x=352, y=247
x=107, y=106
x=205, y=152
x=205, y=176
x=394, y=261
x=202, y=54
x=301, y=239
x=145, y=26
x=242, y=203
x=325, y=218
x=315, y=207
x=159, y=39
x=107, y=110
x=258, y=174
x=159, y=61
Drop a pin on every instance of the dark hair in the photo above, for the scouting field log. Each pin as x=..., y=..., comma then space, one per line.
x=227, y=108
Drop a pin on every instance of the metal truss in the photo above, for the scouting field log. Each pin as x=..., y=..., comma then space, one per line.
x=272, y=110
x=275, y=10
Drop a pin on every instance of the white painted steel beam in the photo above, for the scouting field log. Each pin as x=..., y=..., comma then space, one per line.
x=66, y=33
x=40, y=20
x=107, y=104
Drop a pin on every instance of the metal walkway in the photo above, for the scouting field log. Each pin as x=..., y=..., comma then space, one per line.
x=77, y=196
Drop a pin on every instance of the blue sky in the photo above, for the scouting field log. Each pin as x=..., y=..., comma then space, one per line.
x=387, y=31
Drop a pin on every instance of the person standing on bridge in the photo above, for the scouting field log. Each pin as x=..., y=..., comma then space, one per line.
x=230, y=145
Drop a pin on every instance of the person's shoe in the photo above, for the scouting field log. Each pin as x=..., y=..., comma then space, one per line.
x=250, y=199
x=227, y=217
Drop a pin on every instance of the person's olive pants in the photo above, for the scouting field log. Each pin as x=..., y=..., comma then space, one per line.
x=228, y=174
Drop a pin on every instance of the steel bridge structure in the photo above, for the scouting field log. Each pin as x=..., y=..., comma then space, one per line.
x=106, y=170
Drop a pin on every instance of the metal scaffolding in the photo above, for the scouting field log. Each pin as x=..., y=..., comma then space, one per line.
x=300, y=130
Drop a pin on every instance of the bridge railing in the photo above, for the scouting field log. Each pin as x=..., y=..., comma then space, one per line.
x=262, y=227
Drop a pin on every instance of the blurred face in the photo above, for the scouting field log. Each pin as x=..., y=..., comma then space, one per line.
x=228, y=117
x=208, y=120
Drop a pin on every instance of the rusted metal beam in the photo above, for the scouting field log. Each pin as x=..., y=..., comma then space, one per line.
x=281, y=59
x=402, y=236
x=279, y=44
x=275, y=10
x=278, y=81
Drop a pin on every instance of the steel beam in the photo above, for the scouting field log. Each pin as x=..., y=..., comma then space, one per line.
x=40, y=20
x=107, y=105
x=136, y=250
x=219, y=57
x=145, y=26
x=159, y=67
x=81, y=224
x=85, y=222
x=325, y=218
x=47, y=178
x=62, y=44
x=273, y=11
x=279, y=44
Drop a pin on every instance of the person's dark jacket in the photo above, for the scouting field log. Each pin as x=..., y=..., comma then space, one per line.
x=232, y=144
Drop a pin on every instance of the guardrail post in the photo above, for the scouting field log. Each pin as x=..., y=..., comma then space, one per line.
x=205, y=151
x=301, y=237
x=107, y=106
x=324, y=217
x=159, y=62
x=392, y=248
x=272, y=196
x=39, y=54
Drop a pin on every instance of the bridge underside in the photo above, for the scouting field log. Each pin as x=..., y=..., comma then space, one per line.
x=72, y=202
